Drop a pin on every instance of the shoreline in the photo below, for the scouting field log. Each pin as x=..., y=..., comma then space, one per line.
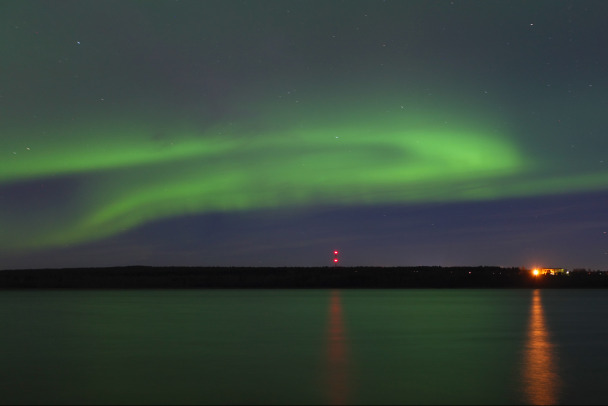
x=143, y=277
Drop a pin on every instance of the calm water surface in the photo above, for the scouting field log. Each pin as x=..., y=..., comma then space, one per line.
x=304, y=346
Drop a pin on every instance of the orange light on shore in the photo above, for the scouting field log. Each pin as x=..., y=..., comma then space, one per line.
x=535, y=272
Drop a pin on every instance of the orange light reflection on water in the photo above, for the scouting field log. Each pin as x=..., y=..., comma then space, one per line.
x=541, y=378
x=337, y=356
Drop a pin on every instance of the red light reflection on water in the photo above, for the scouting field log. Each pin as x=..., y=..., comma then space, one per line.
x=337, y=354
x=541, y=380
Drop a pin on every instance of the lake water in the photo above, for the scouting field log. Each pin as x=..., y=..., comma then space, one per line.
x=304, y=346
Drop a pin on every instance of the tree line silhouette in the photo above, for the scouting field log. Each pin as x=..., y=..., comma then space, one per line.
x=142, y=277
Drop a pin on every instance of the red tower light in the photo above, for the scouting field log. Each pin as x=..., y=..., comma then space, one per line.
x=336, y=260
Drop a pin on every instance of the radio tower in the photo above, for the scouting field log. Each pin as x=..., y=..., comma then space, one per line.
x=336, y=260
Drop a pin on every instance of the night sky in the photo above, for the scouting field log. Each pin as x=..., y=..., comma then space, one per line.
x=269, y=133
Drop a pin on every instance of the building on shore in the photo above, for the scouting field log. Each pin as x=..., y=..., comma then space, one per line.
x=553, y=271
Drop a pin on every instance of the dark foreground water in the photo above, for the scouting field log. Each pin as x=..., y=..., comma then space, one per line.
x=304, y=346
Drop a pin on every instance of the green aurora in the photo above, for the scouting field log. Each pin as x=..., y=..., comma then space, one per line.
x=128, y=173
